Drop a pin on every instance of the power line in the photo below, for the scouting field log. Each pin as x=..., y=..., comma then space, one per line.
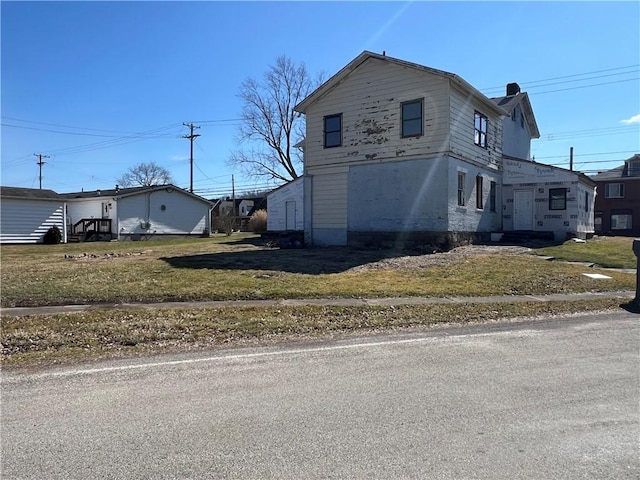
x=84, y=134
x=585, y=86
x=501, y=87
x=66, y=126
x=590, y=154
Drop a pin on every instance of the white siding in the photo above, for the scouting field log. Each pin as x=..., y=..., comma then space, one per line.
x=516, y=137
x=370, y=103
x=330, y=201
x=277, y=206
x=143, y=214
x=26, y=221
x=78, y=209
x=407, y=196
x=463, y=108
x=470, y=218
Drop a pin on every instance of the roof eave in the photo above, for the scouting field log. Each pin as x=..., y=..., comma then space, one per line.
x=364, y=56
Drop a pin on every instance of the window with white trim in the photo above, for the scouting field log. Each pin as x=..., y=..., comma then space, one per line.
x=621, y=221
x=614, y=190
x=480, y=130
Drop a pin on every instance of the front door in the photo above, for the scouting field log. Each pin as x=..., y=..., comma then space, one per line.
x=523, y=210
x=105, y=210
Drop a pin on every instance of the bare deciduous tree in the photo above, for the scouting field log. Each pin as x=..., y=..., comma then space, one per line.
x=145, y=175
x=269, y=124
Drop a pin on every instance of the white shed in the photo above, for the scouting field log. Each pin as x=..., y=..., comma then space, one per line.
x=285, y=207
x=26, y=214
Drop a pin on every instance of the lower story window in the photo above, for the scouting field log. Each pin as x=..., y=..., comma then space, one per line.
x=492, y=196
x=479, y=194
x=461, y=177
x=557, y=199
x=621, y=221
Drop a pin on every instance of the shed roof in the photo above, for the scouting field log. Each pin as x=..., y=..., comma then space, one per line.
x=339, y=77
x=130, y=191
x=581, y=176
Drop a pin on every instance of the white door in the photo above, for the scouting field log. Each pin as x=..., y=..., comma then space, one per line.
x=523, y=210
x=290, y=208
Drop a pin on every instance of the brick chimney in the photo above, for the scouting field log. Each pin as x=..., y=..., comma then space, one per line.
x=512, y=89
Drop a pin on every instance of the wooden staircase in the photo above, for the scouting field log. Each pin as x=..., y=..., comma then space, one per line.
x=90, y=230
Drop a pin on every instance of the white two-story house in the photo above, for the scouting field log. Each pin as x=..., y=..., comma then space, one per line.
x=397, y=153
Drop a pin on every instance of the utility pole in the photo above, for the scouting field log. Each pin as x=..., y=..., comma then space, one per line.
x=191, y=136
x=233, y=199
x=40, y=163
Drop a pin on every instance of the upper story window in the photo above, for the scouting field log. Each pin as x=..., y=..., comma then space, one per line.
x=480, y=128
x=557, y=199
x=333, y=130
x=412, y=118
x=614, y=190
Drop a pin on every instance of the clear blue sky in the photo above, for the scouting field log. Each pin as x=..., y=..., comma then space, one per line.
x=120, y=78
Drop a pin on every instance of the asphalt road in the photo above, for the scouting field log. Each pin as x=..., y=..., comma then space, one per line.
x=547, y=399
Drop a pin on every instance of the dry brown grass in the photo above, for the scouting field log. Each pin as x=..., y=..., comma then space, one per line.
x=238, y=267
x=57, y=339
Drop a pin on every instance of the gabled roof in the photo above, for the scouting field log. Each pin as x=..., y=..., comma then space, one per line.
x=626, y=171
x=29, y=193
x=339, y=77
x=511, y=101
x=128, y=192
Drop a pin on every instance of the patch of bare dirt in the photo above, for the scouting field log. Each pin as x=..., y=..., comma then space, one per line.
x=441, y=259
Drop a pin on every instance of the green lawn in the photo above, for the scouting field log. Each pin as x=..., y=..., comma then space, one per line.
x=609, y=252
x=238, y=267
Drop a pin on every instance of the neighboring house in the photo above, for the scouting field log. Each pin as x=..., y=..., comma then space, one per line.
x=26, y=214
x=618, y=200
x=399, y=152
x=158, y=211
x=286, y=207
x=542, y=198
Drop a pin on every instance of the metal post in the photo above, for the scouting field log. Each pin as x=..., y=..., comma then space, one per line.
x=636, y=250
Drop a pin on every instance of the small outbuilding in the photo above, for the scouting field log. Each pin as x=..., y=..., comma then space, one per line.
x=286, y=207
x=542, y=198
x=158, y=211
x=26, y=214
